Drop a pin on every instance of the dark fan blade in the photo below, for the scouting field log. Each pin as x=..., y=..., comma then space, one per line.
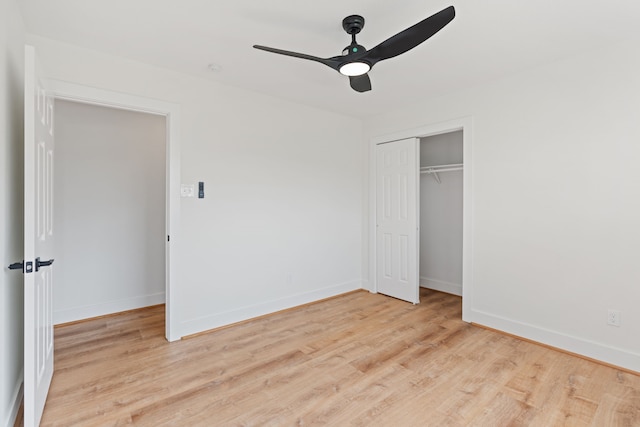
x=411, y=37
x=360, y=83
x=329, y=62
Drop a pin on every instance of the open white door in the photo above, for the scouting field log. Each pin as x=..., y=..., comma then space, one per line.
x=397, y=173
x=38, y=239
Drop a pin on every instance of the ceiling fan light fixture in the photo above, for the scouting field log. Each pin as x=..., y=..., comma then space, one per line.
x=353, y=69
x=356, y=61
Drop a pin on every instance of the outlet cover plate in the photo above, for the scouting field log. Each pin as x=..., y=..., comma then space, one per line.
x=613, y=317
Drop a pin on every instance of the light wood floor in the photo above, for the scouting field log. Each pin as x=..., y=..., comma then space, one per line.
x=357, y=360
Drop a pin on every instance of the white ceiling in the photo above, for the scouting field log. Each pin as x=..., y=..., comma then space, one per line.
x=486, y=40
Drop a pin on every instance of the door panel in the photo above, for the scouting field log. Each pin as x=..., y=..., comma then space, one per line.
x=38, y=242
x=397, y=175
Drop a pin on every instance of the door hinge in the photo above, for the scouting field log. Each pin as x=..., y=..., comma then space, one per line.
x=168, y=238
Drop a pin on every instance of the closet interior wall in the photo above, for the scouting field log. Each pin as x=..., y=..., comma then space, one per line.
x=441, y=198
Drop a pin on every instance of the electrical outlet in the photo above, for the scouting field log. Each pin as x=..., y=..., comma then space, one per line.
x=613, y=317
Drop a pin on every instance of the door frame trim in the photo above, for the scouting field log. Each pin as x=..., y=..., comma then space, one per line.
x=171, y=111
x=465, y=124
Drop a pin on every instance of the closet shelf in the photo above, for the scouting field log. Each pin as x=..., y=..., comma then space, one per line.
x=434, y=170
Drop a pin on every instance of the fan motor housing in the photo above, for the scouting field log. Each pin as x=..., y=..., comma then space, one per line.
x=353, y=24
x=353, y=49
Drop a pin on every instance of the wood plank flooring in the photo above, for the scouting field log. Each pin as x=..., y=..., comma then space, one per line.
x=360, y=359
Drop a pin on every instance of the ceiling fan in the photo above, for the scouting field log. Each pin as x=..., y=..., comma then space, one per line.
x=356, y=61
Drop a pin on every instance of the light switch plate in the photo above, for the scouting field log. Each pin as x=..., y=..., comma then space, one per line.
x=187, y=190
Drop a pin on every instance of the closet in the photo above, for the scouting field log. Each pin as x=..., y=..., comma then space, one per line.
x=441, y=214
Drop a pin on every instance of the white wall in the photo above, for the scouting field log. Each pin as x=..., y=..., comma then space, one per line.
x=109, y=210
x=441, y=149
x=441, y=214
x=556, y=237
x=11, y=201
x=281, y=221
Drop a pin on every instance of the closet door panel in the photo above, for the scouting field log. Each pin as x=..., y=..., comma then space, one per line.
x=397, y=175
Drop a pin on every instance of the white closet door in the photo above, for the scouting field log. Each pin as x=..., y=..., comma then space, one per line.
x=397, y=173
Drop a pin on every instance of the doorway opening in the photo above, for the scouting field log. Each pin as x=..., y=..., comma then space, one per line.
x=110, y=188
x=440, y=207
x=458, y=161
x=66, y=91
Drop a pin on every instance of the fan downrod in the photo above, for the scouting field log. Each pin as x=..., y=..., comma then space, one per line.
x=353, y=24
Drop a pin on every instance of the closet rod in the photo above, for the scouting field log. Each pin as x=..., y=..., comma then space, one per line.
x=430, y=170
x=453, y=165
x=433, y=170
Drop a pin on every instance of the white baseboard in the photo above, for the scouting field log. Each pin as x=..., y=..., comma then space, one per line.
x=594, y=350
x=441, y=285
x=206, y=323
x=16, y=401
x=95, y=310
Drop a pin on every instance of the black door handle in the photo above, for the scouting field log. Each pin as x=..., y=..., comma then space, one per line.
x=43, y=263
x=17, y=266
x=25, y=267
